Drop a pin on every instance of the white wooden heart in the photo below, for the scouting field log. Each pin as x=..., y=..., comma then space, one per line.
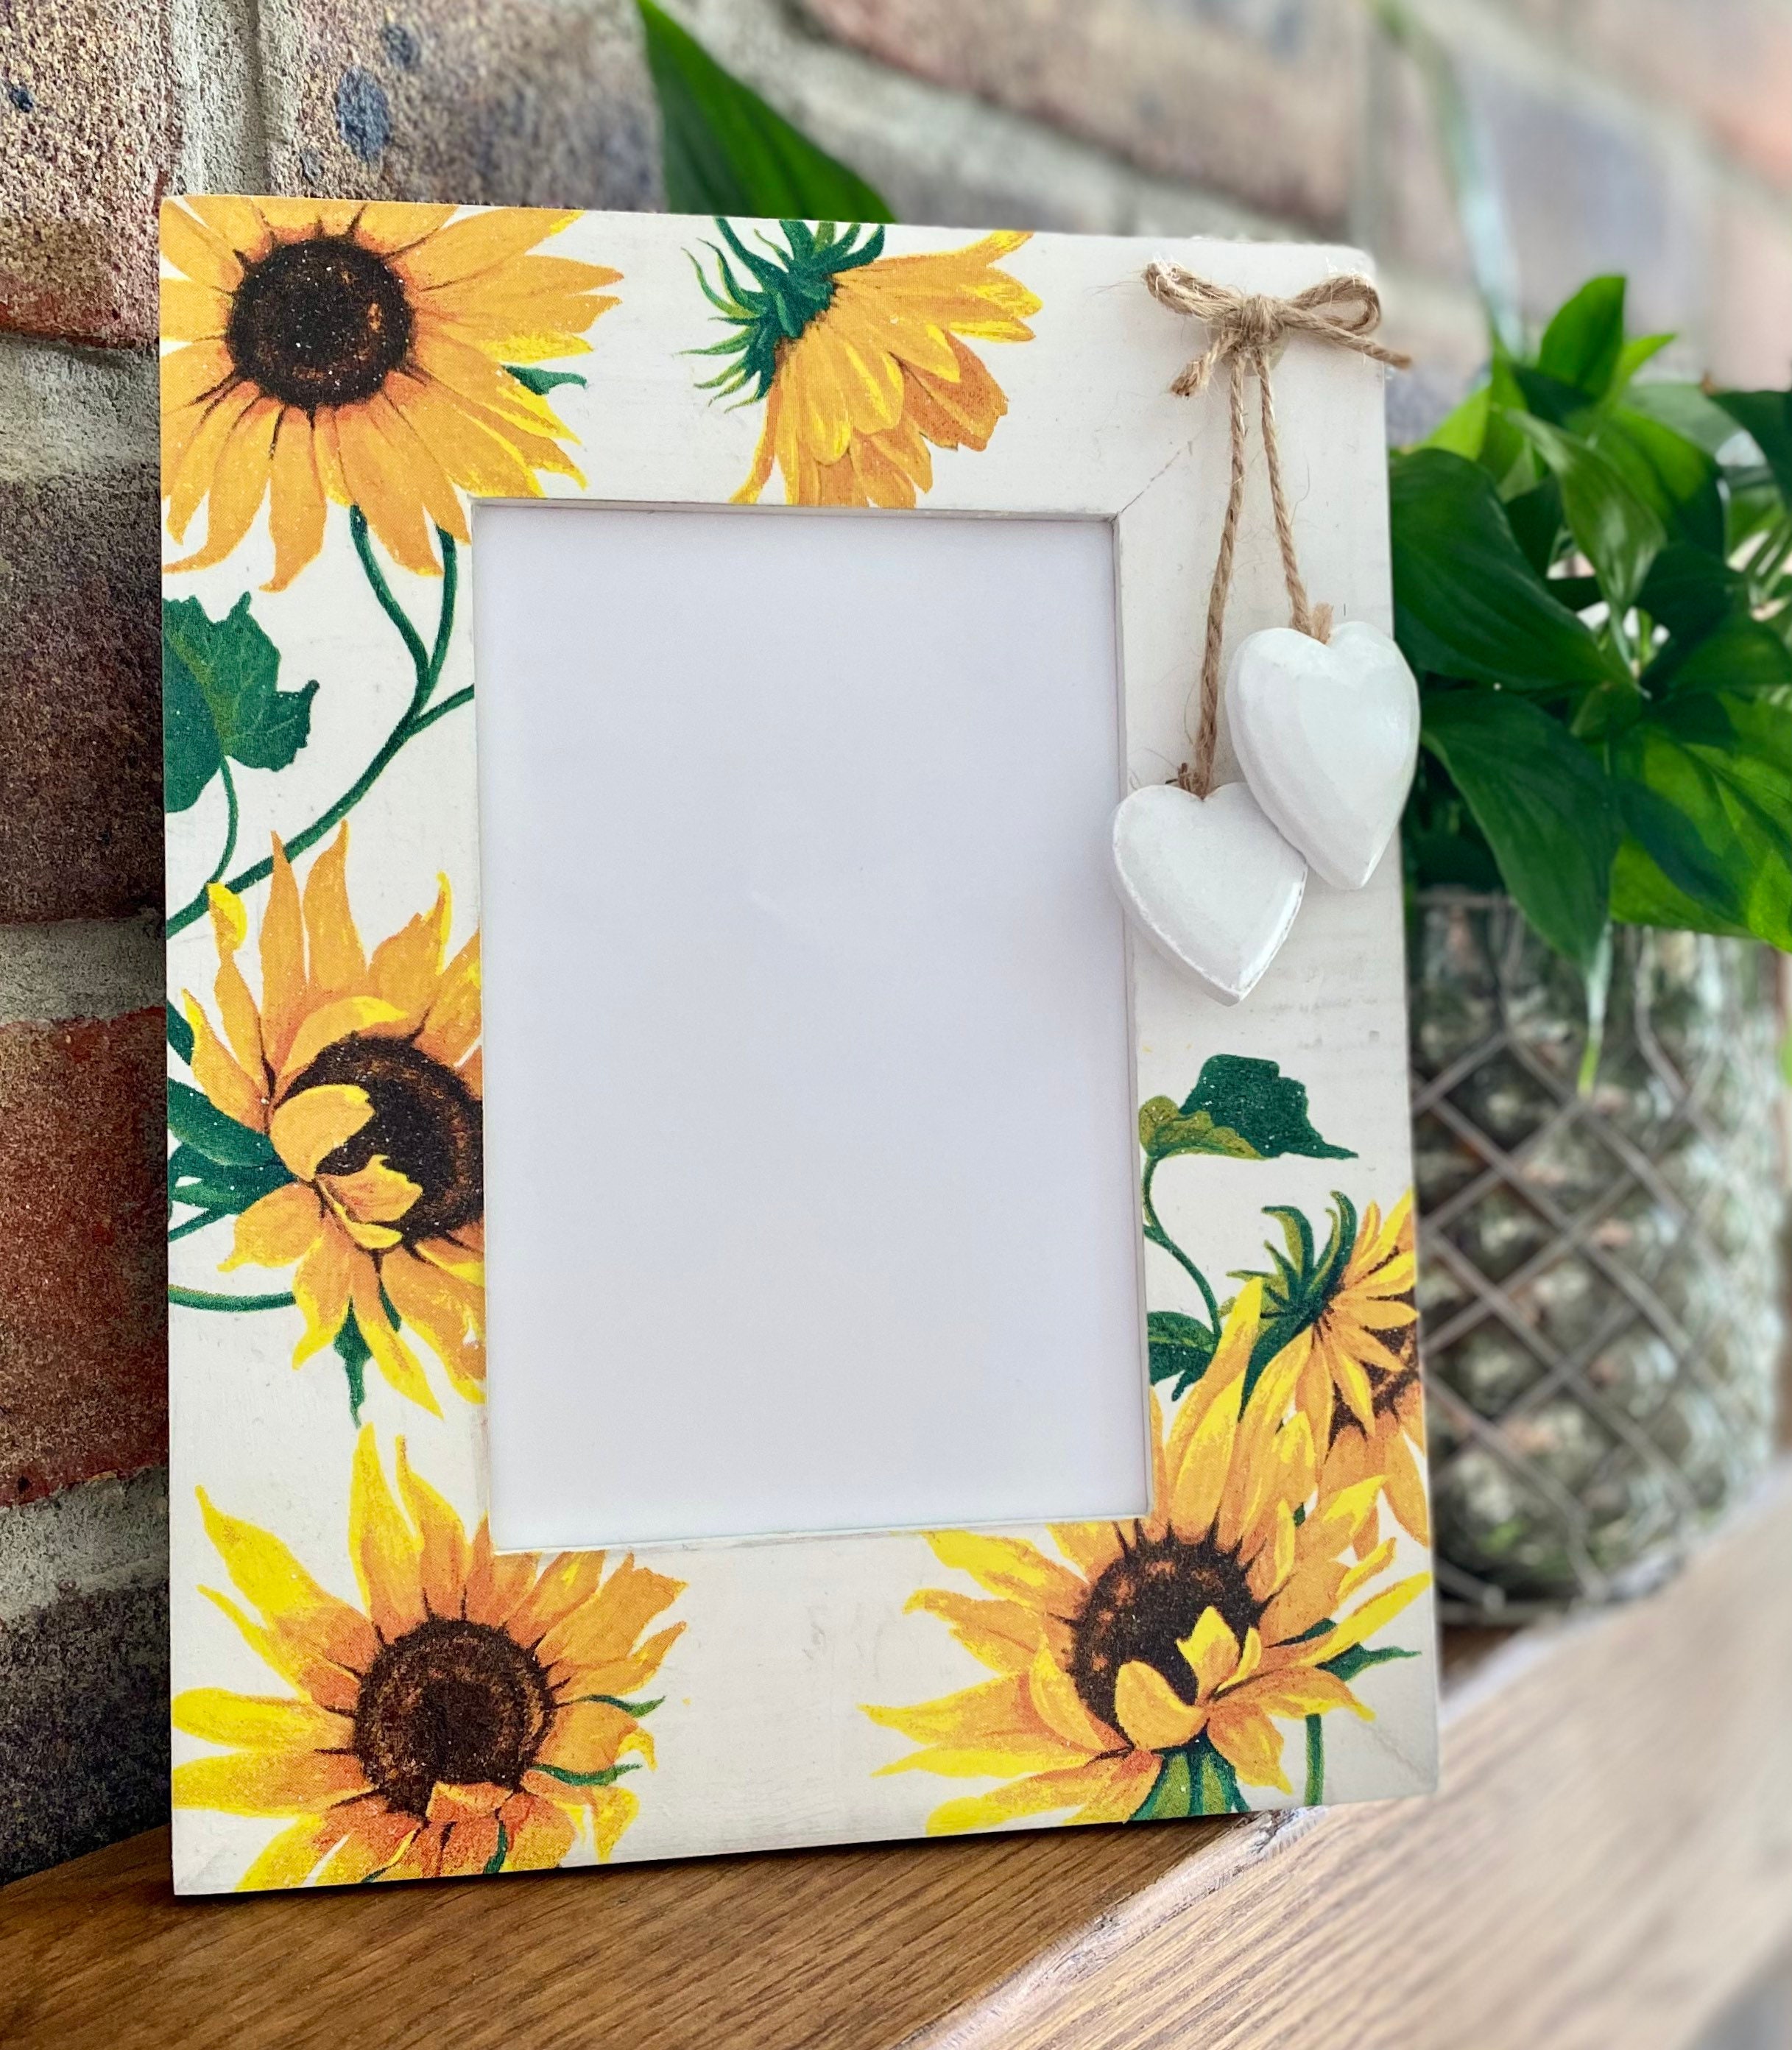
x=1327, y=734
x=1209, y=881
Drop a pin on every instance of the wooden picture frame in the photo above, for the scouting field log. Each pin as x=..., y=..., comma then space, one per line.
x=365, y=1688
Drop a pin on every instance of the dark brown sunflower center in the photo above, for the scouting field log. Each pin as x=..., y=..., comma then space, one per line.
x=1144, y=1604
x=426, y=1123
x=452, y=1702
x=319, y=323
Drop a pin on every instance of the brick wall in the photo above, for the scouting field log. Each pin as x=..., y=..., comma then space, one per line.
x=1654, y=135
x=104, y=105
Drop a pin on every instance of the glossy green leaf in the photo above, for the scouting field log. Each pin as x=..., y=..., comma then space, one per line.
x=1673, y=476
x=193, y=1118
x=1241, y=1107
x=1767, y=416
x=1583, y=343
x=1688, y=590
x=1641, y=895
x=1742, y=655
x=1705, y=785
x=1632, y=358
x=220, y=696
x=1544, y=805
x=727, y=152
x=1467, y=603
x=1688, y=409
x=1180, y=1348
x=179, y=1033
x=1619, y=534
x=1535, y=517
x=1464, y=431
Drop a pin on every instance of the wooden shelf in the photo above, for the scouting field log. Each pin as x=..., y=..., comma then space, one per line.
x=1609, y=1864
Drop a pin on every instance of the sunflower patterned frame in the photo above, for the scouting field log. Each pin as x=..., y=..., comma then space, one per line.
x=365, y=1690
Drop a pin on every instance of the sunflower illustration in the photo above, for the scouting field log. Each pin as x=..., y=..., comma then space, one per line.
x=1148, y=1675
x=471, y=1716
x=364, y=1073
x=860, y=357
x=1348, y=1313
x=365, y=353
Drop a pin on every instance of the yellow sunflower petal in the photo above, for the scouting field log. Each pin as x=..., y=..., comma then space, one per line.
x=269, y=1782
x=1249, y=1741
x=241, y=472
x=1012, y=1568
x=611, y=1810
x=443, y=1559
x=375, y=1837
x=218, y=1074
x=469, y=1848
x=258, y=1722
x=539, y=1834
x=989, y=1731
x=497, y=1582
x=306, y=1128
x=1212, y=1652
x=1104, y=1789
x=607, y=1627
x=1004, y=1635
x=1151, y=1712
x=434, y=1307
x=391, y=1355
x=1060, y=1707
x=381, y=484
x=277, y=1230
x=387, y=1552
x=335, y=1021
x=406, y=969
x=283, y=961
x=586, y=1737
x=292, y=1857
x=480, y=243
x=203, y=254
x=452, y=1027
x=1361, y=1624
x=376, y=1193
x=323, y=1288
x=238, y=224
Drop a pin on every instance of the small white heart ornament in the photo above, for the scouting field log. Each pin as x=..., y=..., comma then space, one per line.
x=1209, y=881
x=1328, y=735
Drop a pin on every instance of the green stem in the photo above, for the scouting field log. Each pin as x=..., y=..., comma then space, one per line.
x=197, y=1299
x=426, y=663
x=1315, y=1761
x=1156, y=1235
x=195, y=1224
x=442, y=711
x=231, y=823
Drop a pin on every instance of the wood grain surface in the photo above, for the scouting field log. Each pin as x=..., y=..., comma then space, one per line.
x=1609, y=1863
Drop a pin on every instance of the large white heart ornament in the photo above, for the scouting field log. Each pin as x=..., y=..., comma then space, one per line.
x=1327, y=734
x=1209, y=881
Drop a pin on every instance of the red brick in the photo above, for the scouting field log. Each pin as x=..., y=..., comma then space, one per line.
x=1259, y=102
x=87, y=129
x=83, y=1387
x=81, y=749
x=519, y=102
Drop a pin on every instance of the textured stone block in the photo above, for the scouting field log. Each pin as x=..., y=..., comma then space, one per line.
x=525, y=102
x=1255, y=98
x=87, y=132
x=83, y=1726
x=80, y=720
x=83, y=1304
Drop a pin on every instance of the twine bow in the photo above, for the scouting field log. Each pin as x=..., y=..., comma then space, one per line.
x=1245, y=329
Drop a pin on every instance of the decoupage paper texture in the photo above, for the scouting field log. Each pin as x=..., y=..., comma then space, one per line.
x=363, y=1689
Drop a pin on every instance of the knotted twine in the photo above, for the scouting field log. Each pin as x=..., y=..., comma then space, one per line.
x=1244, y=329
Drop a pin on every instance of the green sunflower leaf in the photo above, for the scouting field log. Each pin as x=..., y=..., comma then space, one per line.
x=1357, y=1659
x=1172, y=1792
x=1182, y=1349
x=1216, y=1784
x=352, y=1349
x=1240, y=1107
x=179, y=1033
x=211, y=1185
x=542, y=382
x=195, y=1120
x=221, y=698
x=495, y=1863
x=607, y=1777
x=726, y=151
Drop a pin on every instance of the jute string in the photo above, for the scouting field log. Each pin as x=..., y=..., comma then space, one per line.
x=1244, y=330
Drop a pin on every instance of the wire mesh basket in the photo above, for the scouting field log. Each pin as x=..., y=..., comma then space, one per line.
x=1598, y=1273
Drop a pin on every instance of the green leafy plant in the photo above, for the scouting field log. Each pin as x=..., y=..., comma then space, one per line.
x=1591, y=580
